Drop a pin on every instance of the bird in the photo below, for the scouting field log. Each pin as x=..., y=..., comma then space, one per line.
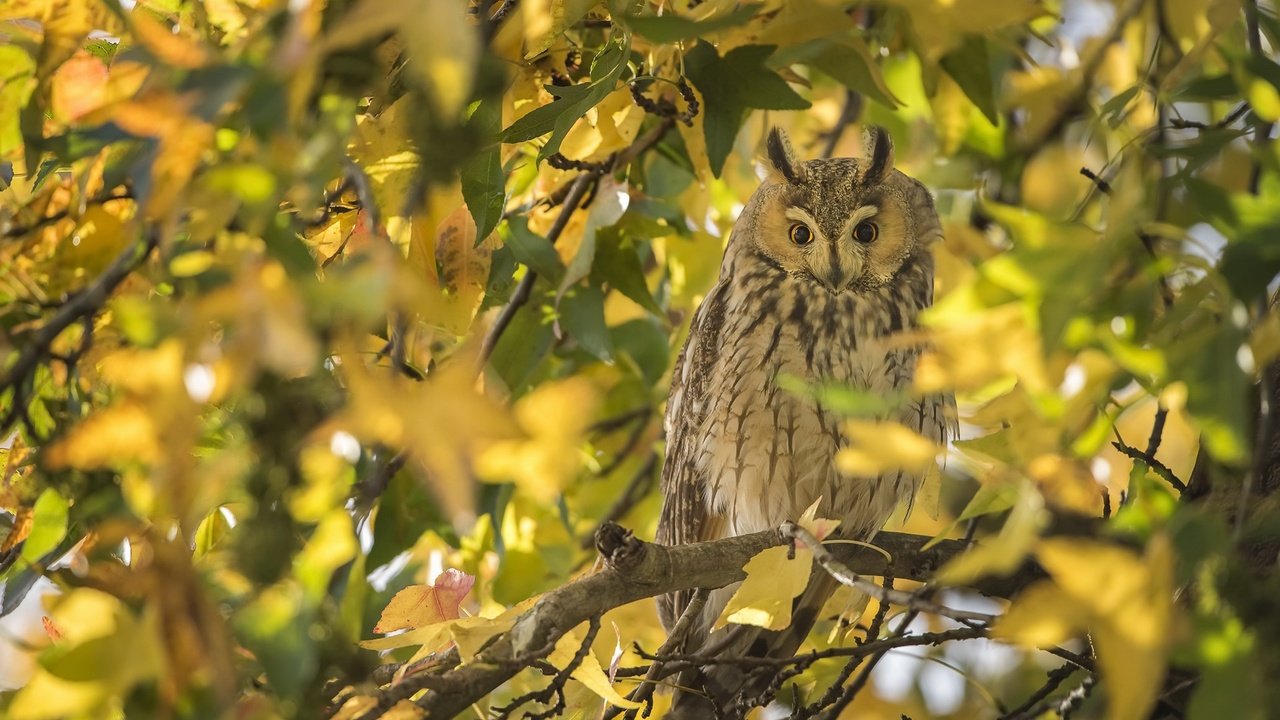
x=827, y=264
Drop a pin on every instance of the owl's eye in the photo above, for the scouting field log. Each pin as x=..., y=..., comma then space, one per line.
x=865, y=232
x=801, y=234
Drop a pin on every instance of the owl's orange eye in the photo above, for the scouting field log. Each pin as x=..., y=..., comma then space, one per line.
x=801, y=234
x=865, y=232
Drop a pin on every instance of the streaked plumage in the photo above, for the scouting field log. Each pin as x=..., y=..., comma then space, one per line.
x=820, y=304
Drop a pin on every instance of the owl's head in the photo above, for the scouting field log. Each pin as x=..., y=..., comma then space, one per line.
x=847, y=224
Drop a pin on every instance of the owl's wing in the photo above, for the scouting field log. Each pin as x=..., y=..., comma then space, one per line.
x=685, y=517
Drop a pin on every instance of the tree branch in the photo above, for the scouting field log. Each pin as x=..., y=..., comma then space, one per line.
x=635, y=570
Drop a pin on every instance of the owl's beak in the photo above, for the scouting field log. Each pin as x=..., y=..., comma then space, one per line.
x=834, y=281
x=840, y=271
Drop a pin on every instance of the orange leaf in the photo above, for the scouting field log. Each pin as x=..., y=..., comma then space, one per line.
x=420, y=605
x=51, y=628
x=79, y=86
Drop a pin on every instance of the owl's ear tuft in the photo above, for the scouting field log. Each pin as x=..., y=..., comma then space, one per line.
x=880, y=150
x=782, y=158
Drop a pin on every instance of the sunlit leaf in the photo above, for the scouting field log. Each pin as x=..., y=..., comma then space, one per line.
x=588, y=672
x=420, y=605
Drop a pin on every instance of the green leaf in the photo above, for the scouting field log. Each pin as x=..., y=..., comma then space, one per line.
x=522, y=347
x=405, y=512
x=17, y=81
x=617, y=264
x=1251, y=261
x=970, y=66
x=671, y=28
x=1209, y=87
x=483, y=182
x=847, y=60
x=533, y=251
x=49, y=525
x=582, y=317
x=212, y=529
x=645, y=342
x=729, y=86
x=571, y=103
x=1206, y=358
x=274, y=627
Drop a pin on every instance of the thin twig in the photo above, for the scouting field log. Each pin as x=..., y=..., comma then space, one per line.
x=85, y=303
x=525, y=288
x=849, y=114
x=20, y=230
x=856, y=651
x=1160, y=468
x=841, y=572
x=860, y=681
x=556, y=688
x=1054, y=680
x=675, y=641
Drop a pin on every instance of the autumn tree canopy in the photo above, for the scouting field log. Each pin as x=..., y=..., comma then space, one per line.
x=335, y=338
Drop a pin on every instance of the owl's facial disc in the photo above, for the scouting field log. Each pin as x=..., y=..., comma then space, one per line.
x=834, y=258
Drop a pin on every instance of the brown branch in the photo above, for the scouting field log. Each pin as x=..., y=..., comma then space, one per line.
x=1160, y=468
x=522, y=292
x=634, y=570
x=556, y=688
x=675, y=640
x=859, y=682
x=849, y=114
x=1054, y=680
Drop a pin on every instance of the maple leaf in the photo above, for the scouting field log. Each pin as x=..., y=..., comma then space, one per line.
x=420, y=605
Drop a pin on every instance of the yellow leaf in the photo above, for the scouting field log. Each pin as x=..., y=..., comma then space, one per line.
x=941, y=25
x=382, y=147
x=171, y=48
x=554, y=416
x=441, y=422
x=115, y=435
x=1067, y=483
x=876, y=448
x=773, y=582
x=428, y=636
x=85, y=675
x=588, y=672
x=820, y=528
x=473, y=633
x=420, y=605
x=1005, y=552
x=445, y=47
x=1040, y=616
x=463, y=270
x=1129, y=599
x=545, y=20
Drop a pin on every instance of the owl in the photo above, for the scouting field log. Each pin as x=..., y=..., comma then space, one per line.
x=828, y=261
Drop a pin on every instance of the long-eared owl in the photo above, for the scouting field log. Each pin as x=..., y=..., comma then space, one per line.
x=828, y=261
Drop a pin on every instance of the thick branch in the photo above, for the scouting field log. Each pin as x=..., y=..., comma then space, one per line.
x=635, y=570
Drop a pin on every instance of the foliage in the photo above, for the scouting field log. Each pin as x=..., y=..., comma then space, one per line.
x=328, y=320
